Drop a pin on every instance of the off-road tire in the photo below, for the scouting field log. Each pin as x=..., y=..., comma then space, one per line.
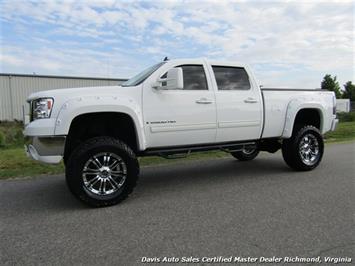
x=291, y=150
x=243, y=155
x=76, y=162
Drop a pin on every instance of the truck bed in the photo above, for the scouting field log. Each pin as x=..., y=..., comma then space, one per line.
x=277, y=101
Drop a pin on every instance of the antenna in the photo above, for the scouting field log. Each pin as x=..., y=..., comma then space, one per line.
x=166, y=59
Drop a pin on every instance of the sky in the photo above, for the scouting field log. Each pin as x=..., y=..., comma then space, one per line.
x=286, y=43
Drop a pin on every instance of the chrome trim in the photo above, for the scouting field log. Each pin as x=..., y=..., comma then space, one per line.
x=32, y=153
x=248, y=151
x=309, y=149
x=46, y=145
x=104, y=174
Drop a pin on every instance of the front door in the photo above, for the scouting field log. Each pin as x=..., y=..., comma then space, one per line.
x=181, y=117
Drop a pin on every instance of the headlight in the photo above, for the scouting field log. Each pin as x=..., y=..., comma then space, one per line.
x=42, y=108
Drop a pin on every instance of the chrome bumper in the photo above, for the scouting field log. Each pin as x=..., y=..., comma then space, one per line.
x=45, y=149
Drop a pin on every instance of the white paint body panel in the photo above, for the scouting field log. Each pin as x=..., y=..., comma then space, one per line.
x=281, y=108
x=238, y=119
x=172, y=117
x=70, y=103
x=186, y=121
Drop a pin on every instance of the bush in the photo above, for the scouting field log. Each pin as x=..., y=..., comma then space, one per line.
x=2, y=139
x=346, y=117
x=11, y=134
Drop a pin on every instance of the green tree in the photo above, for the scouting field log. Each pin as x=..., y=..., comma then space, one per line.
x=331, y=84
x=349, y=92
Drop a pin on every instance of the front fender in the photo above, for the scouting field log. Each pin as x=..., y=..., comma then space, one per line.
x=294, y=107
x=95, y=104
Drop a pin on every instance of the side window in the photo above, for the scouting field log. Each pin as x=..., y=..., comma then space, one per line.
x=231, y=78
x=194, y=77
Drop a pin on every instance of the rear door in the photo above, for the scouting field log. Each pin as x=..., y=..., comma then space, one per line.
x=181, y=117
x=239, y=104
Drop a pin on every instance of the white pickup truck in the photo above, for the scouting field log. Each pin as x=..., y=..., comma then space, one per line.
x=171, y=109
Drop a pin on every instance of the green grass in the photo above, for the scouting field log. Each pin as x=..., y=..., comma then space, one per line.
x=14, y=162
x=344, y=132
x=346, y=117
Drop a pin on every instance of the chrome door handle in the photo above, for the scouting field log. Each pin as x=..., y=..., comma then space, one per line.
x=250, y=100
x=204, y=101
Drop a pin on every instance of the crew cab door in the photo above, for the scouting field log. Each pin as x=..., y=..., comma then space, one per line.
x=177, y=117
x=239, y=104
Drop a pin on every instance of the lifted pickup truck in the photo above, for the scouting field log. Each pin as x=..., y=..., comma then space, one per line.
x=171, y=109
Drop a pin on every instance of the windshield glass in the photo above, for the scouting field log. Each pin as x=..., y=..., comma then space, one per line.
x=138, y=79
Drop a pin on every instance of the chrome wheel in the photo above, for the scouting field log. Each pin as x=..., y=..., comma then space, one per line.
x=104, y=174
x=248, y=151
x=309, y=149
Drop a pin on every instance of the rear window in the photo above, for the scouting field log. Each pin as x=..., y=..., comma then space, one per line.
x=231, y=78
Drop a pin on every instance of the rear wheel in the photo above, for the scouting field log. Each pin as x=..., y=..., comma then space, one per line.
x=304, y=150
x=246, y=154
x=101, y=172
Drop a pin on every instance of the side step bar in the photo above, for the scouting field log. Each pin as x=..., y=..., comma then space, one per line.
x=181, y=152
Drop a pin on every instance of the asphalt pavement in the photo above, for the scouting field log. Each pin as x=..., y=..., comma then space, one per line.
x=215, y=207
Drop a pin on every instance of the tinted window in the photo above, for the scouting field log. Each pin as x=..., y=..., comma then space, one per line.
x=231, y=78
x=194, y=77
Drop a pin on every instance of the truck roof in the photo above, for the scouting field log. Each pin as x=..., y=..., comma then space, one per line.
x=211, y=62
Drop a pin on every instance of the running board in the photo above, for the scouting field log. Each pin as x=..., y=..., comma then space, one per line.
x=239, y=148
x=183, y=151
x=175, y=156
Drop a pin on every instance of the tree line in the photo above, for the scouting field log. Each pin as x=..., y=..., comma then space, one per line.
x=331, y=84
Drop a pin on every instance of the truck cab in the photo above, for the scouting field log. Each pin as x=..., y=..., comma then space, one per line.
x=197, y=111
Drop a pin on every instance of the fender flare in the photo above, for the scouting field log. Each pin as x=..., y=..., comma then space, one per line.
x=296, y=105
x=96, y=104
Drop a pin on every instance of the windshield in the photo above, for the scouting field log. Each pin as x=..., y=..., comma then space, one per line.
x=138, y=79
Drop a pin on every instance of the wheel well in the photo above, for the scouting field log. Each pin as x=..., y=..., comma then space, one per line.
x=308, y=117
x=87, y=126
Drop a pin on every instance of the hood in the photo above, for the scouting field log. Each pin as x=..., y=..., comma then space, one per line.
x=85, y=91
x=61, y=96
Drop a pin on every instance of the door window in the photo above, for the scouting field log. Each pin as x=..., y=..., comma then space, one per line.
x=194, y=77
x=231, y=78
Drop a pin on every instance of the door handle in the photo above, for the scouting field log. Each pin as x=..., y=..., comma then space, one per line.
x=204, y=101
x=250, y=100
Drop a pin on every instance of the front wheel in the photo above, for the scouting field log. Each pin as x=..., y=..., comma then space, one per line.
x=247, y=154
x=102, y=171
x=304, y=150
